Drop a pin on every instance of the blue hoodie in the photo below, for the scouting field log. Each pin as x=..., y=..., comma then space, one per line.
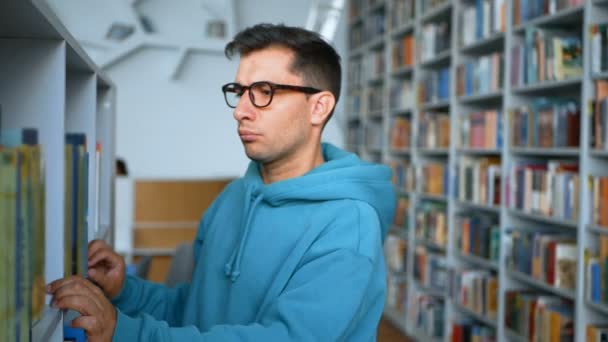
x=296, y=260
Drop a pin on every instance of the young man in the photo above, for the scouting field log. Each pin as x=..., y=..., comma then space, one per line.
x=292, y=251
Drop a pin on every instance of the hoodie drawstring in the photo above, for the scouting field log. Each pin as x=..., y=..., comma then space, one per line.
x=232, y=268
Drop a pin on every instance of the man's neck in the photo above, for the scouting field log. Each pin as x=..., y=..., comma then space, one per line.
x=293, y=166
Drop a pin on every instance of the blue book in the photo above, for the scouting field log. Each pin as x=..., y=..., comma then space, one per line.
x=596, y=284
x=479, y=19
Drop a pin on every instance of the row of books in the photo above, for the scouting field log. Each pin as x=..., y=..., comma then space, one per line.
x=375, y=26
x=426, y=313
x=401, y=133
x=355, y=72
x=598, y=201
x=475, y=290
x=479, y=76
x=403, y=13
x=482, y=130
x=434, y=179
x=355, y=9
x=373, y=135
x=525, y=10
x=434, y=39
x=467, y=330
x=547, y=55
x=430, y=269
x=549, y=188
x=479, y=180
x=403, y=52
x=596, y=333
x=546, y=123
x=354, y=134
x=375, y=98
x=547, y=257
x=481, y=19
x=599, y=48
x=434, y=86
x=401, y=213
x=395, y=252
x=404, y=175
x=355, y=37
x=374, y=64
x=596, y=272
x=433, y=130
x=539, y=317
x=429, y=5
x=432, y=223
x=396, y=293
x=599, y=121
x=402, y=95
x=22, y=233
x=479, y=236
x=354, y=102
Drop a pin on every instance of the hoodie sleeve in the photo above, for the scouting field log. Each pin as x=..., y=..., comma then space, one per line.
x=139, y=296
x=323, y=301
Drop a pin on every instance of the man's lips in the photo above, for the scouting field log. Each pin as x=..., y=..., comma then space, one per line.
x=247, y=136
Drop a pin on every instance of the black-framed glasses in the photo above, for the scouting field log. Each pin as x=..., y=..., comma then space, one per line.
x=260, y=93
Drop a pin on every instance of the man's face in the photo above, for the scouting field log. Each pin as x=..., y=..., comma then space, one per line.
x=279, y=130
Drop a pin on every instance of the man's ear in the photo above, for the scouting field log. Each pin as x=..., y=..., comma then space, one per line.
x=322, y=105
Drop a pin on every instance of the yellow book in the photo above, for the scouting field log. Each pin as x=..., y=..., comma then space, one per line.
x=9, y=203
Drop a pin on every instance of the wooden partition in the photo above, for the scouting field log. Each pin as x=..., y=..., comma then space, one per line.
x=167, y=213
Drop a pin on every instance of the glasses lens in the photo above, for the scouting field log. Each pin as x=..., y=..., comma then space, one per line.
x=262, y=94
x=232, y=93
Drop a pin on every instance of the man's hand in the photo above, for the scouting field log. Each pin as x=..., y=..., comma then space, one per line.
x=106, y=268
x=98, y=315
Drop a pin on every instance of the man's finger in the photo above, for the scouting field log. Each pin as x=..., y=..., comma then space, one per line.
x=87, y=323
x=96, y=245
x=103, y=255
x=55, y=285
x=80, y=303
x=80, y=288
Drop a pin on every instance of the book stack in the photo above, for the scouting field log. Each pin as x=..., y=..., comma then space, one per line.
x=401, y=133
x=545, y=188
x=598, y=201
x=466, y=330
x=525, y=10
x=431, y=223
x=596, y=272
x=403, y=95
x=475, y=290
x=396, y=293
x=547, y=257
x=375, y=97
x=375, y=26
x=401, y=213
x=481, y=130
x=599, y=48
x=395, y=252
x=480, y=76
x=355, y=72
x=547, y=55
x=482, y=19
x=355, y=37
x=537, y=317
x=430, y=270
x=426, y=312
x=434, y=39
x=354, y=134
x=373, y=135
x=434, y=86
x=479, y=236
x=76, y=225
x=355, y=9
x=403, y=13
x=403, y=52
x=374, y=65
x=596, y=333
x=434, y=179
x=354, y=103
x=403, y=175
x=546, y=123
x=22, y=242
x=479, y=180
x=599, y=122
x=433, y=130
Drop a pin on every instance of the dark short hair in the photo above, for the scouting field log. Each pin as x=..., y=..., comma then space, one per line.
x=315, y=60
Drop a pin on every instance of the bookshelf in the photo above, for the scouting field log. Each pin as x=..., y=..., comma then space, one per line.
x=503, y=38
x=50, y=84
